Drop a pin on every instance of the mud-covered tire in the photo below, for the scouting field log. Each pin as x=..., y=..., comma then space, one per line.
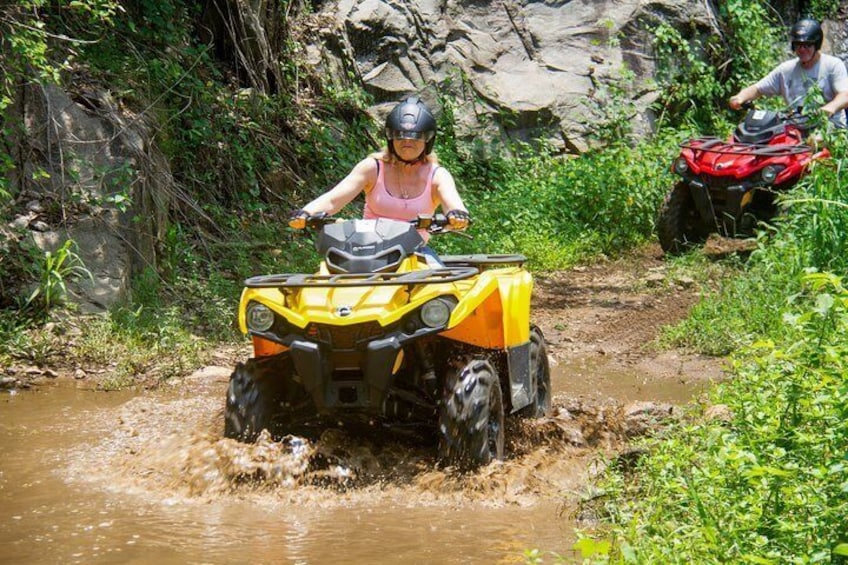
x=471, y=416
x=540, y=370
x=679, y=225
x=254, y=396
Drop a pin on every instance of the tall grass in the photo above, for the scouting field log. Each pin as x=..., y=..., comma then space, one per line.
x=559, y=210
x=771, y=484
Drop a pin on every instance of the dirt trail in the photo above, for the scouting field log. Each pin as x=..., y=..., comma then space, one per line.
x=612, y=313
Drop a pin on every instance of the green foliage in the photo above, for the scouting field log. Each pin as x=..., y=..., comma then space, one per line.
x=822, y=9
x=612, y=108
x=754, y=41
x=693, y=73
x=53, y=272
x=37, y=41
x=560, y=209
x=770, y=485
x=690, y=84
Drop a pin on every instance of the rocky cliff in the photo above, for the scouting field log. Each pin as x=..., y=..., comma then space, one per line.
x=530, y=69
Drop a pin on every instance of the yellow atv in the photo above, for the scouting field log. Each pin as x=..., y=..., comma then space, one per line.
x=377, y=336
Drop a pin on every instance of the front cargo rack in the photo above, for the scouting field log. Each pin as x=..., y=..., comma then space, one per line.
x=425, y=276
x=716, y=145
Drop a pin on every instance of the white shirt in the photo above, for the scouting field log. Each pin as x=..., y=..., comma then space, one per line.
x=792, y=81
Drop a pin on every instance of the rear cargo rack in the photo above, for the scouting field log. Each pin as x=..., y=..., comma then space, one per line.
x=425, y=276
x=716, y=145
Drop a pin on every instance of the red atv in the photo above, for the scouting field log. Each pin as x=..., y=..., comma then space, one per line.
x=729, y=186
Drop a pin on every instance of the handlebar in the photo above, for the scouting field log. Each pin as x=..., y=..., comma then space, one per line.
x=433, y=223
x=788, y=115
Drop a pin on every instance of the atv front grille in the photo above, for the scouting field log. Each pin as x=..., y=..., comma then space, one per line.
x=345, y=337
x=720, y=183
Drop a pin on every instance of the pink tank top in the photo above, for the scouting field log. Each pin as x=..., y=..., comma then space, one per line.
x=380, y=204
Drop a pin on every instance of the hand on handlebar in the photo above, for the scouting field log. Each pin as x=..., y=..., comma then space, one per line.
x=297, y=219
x=458, y=220
x=735, y=102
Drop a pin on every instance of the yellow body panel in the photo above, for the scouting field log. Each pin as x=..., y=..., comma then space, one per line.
x=493, y=309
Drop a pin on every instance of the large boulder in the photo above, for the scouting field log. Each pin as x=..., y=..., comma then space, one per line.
x=88, y=173
x=527, y=69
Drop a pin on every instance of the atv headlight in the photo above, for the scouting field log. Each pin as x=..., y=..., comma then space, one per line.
x=770, y=173
x=260, y=318
x=436, y=313
x=680, y=165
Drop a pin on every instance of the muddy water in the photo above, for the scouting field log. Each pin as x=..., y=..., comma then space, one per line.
x=92, y=477
x=669, y=378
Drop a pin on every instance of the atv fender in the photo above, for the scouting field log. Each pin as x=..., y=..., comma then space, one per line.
x=495, y=313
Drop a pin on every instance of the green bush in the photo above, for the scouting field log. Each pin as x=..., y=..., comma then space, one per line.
x=769, y=486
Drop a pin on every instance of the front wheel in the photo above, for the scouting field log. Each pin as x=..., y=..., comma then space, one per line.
x=679, y=225
x=254, y=396
x=471, y=416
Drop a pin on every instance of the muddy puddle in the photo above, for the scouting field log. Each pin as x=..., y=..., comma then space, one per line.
x=93, y=477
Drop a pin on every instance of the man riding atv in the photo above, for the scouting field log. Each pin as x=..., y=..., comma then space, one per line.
x=793, y=79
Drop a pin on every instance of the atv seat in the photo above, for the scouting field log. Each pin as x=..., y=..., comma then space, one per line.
x=481, y=260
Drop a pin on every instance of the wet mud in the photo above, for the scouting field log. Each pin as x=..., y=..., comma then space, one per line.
x=171, y=442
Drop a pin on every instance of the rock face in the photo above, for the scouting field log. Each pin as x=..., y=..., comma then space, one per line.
x=527, y=69
x=89, y=175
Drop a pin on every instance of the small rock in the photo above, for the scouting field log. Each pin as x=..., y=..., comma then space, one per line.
x=40, y=226
x=685, y=281
x=642, y=417
x=20, y=222
x=35, y=206
x=79, y=374
x=654, y=279
x=718, y=413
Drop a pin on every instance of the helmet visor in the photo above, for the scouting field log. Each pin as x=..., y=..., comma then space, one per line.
x=401, y=134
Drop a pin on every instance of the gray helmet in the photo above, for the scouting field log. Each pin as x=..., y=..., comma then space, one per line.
x=807, y=30
x=411, y=119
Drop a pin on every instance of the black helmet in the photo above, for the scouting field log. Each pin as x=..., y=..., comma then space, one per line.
x=807, y=30
x=411, y=119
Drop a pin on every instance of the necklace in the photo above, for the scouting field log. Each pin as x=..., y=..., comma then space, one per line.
x=401, y=187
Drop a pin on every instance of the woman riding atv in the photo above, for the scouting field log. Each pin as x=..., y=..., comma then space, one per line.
x=402, y=181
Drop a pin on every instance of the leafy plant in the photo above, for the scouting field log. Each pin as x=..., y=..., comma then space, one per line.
x=56, y=269
x=768, y=486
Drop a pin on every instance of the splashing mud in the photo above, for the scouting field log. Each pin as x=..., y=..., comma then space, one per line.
x=173, y=445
